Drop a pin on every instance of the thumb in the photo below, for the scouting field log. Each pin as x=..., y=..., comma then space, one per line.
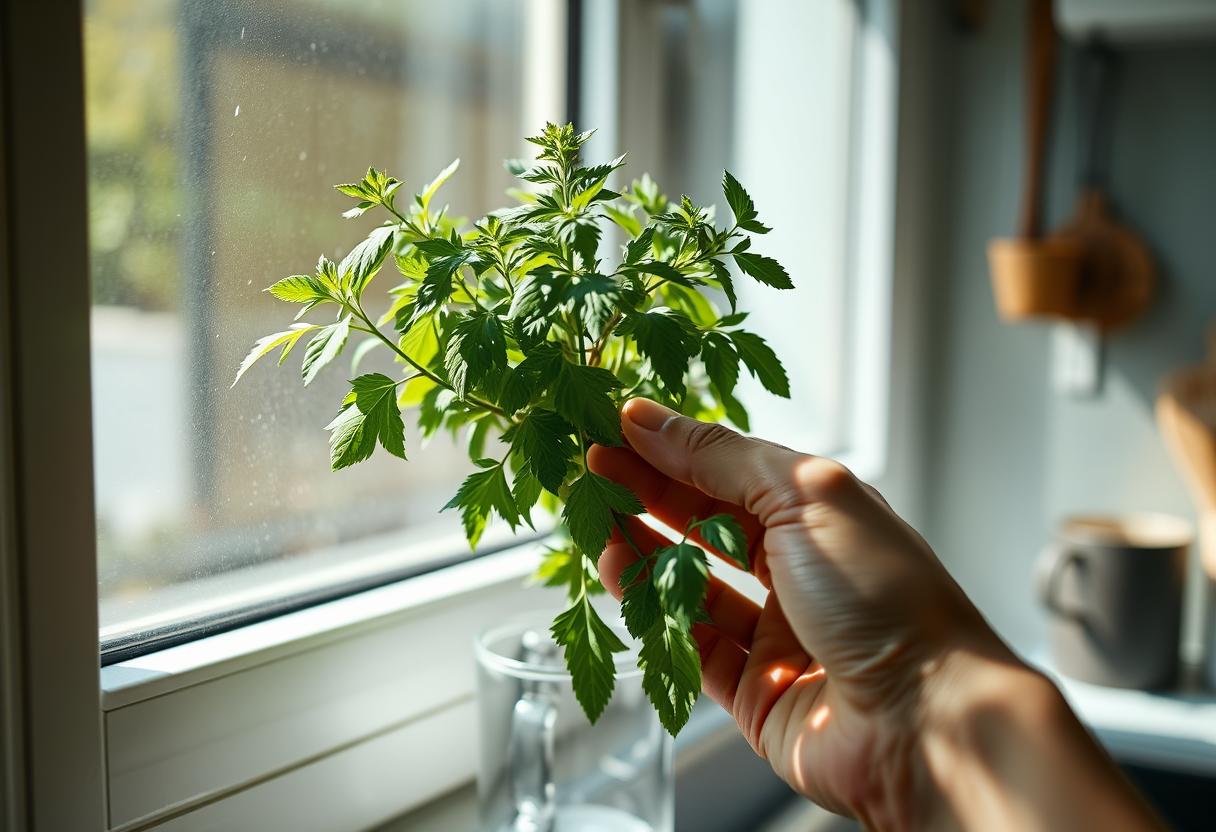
x=712, y=458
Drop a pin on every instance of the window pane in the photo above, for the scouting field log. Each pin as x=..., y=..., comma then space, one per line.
x=215, y=132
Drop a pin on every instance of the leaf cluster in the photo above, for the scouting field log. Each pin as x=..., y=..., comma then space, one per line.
x=520, y=329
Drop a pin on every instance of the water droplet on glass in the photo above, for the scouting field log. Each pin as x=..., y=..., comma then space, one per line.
x=249, y=282
x=242, y=33
x=313, y=47
x=237, y=111
x=303, y=155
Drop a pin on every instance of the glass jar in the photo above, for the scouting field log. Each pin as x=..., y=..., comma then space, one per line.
x=543, y=767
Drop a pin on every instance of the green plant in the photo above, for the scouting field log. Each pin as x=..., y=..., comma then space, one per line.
x=516, y=327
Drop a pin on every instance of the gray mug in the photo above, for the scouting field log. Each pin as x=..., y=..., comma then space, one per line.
x=1113, y=589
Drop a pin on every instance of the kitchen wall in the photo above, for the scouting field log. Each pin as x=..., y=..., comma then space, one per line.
x=1007, y=456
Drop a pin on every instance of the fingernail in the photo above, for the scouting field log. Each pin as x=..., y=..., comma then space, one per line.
x=648, y=415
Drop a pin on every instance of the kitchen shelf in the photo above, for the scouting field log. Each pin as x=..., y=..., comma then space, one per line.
x=1130, y=21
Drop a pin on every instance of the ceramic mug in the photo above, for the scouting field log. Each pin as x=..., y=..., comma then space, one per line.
x=1113, y=588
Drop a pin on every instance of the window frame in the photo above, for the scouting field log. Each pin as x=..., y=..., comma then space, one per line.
x=73, y=732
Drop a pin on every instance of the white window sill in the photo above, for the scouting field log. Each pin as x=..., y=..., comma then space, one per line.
x=209, y=734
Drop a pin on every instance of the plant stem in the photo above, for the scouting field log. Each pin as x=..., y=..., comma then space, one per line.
x=372, y=329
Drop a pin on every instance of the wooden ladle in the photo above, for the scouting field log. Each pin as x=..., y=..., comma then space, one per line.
x=1034, y=276
x=1186, y=416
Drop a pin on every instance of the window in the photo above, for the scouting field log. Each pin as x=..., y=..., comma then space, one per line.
x=198, y=115
x=707, y=84
x=214, y=134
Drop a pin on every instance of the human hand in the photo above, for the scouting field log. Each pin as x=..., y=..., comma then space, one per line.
x=857, y=675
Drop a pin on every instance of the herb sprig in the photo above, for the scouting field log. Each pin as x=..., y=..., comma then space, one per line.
x=517, y=328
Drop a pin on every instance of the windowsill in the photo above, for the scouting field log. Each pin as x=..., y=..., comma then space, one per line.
x=207, y=658
x=1170, y=730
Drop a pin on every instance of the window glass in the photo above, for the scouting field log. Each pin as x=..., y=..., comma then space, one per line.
x=215, y=133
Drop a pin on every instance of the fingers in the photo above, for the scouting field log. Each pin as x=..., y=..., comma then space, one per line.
x=776, y=660
x=725, y=465
x=674, y=503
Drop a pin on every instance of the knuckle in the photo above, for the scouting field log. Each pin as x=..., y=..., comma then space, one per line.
x=705, y=436
x=821, y=478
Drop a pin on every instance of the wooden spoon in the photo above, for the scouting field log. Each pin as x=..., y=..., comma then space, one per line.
x=1186, y=415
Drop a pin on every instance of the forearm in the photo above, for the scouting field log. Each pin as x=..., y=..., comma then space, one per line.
x=1003, y=751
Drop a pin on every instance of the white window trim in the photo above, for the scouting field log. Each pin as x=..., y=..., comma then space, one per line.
x=349, y=719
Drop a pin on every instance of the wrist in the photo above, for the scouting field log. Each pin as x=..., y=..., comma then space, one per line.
x=986, y=720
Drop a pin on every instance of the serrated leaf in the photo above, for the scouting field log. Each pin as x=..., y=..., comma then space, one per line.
x=762, y=362
x=624, y=218
x=639, y=248
x=364, y=260
x=721, y=362
x=300, y=288
x=348, y=441
x=741, y=205
x=542, y=439
x=287, y=340
x=526, y=490
x=325, y=346
x=581, y=397
x=481, y=493
x=671, y=672
x=724, y=533
x=589, y=644
x=428, y=193
x=376, y=399
x=726, y=282
x=476, y=351
x=765, y=269
x=665, y=271
x=590, y=506
x=681, y=574
x=668, y=340
x=596, y=299
x=640, y=600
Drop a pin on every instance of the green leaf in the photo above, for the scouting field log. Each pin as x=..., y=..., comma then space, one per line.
x=300, y=288
x=542, y=439
x=481, y=493
x=671, y=672
x=765, y=269
x=589, y=644
x=665, y=271
x=581, y=397
x=287, y=340
x=596, y=299
x=590, y=506
x=476, y=351
x=640, y=602
x=724, y=534
x=726, y=282
x=624, y=218
x=428, y=193
x=762, y=362
x=325, y=346
x=444, y=259
x=364, y=260
x=741, y=205
x=526, y=491
x=681, y=574
x=376, y=399
x=721, y=362
x=668, y=340
x=348, y=441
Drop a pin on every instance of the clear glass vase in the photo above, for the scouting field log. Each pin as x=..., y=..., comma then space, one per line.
x=543, y=767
